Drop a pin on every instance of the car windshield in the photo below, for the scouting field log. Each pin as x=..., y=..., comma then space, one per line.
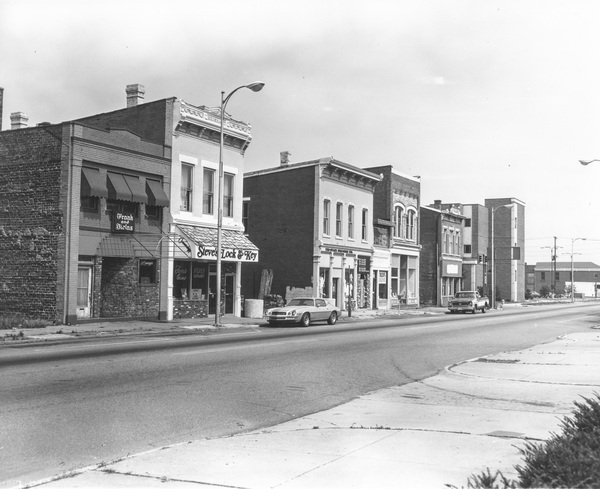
x=301, y=302
x=465, y=295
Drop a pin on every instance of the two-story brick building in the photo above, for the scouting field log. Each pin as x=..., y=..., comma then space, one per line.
x=441, y=265
x=396, y=236
x=312, y=222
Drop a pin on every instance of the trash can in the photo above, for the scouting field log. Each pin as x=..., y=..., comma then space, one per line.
x=253, y=308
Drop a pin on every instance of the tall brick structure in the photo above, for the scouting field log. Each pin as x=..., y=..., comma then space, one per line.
x=312, y=222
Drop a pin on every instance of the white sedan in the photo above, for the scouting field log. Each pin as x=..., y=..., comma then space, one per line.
x=304, y=310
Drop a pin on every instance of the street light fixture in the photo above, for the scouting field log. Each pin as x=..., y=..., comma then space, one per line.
x=494, y=209
x=586, y=162
x=255, y=87
x=573, y=269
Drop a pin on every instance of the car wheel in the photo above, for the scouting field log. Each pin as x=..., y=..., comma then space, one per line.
x=305, y=320
x=483, y=309
x=332, y=318
x=474, y=311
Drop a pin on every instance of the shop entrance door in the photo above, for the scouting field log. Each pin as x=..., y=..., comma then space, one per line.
x=84, y=296
x=229, y=293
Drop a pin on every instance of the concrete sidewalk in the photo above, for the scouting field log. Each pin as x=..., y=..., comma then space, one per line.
x=429, y=434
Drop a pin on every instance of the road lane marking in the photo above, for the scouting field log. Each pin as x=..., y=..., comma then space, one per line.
x=243, y=347
x=125, y=343
x=575, y=319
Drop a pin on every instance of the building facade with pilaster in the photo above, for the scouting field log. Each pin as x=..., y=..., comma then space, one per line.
x=312, y=222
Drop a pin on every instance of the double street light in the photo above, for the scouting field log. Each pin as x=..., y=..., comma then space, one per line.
x=493, y=298
x=255, y=87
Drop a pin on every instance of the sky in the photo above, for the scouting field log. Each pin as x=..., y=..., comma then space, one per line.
x=480, y=98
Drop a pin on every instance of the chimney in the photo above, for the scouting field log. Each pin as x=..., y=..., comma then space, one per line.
x=1, y=106
x=135, y=94
x=18, y=120
x=284, y=158
x=437, y=204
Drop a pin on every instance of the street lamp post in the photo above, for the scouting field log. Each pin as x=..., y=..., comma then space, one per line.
x=255, y=87
x=493, y=298
x=573, y=269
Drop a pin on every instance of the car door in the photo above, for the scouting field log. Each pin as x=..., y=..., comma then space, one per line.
x=322, y=309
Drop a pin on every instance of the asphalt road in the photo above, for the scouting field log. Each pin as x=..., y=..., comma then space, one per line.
x=77, y=404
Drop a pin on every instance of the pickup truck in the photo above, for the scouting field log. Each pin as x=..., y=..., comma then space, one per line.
x=468, y=300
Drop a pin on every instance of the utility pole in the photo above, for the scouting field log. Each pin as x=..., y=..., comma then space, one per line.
x=554, y=268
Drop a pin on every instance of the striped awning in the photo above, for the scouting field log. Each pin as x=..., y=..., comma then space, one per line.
x=234, y=245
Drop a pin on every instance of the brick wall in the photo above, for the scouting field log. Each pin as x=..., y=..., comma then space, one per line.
x=122, y=295
x=428, y=268
x=148, y=120
x=31, y=222
x=281, y=222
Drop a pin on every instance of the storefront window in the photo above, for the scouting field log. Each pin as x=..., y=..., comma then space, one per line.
x=147, y=272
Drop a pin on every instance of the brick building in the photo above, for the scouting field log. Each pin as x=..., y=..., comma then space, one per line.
x=396, y=230
x=441, y=268
x=86, y=230
x=313, y=224
x=509, y=248
x=82, y=213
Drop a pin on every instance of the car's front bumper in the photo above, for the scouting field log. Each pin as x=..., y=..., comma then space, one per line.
x=461, y=308
x=283, y=319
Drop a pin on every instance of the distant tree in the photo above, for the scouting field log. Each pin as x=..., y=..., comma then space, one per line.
x=545, y=291
x=527, y=294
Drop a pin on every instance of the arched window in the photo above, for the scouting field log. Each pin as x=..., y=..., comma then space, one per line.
x=398, y=221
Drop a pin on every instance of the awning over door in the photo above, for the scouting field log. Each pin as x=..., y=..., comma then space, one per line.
x=234, y=245
x=92, y=184
x=156, y=194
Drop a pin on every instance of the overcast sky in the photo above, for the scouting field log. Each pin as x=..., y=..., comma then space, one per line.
x=482, y=99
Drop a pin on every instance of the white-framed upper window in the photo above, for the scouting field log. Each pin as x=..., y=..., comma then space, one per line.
x=350, y=222
x=228, y=189
x=365, y=220
x=326, y=215
x=208, y=196
x=398, y=221
x=187, y=187
x=411, y=224
x=339, y=210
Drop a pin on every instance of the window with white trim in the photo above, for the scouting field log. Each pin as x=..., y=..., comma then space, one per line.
x=351, y=222
x=187, y=187
x=365, y=218
x=208, y=197
x=326, y=212
x=338, y=219
x=228, y=195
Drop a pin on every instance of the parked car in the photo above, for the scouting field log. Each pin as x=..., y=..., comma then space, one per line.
x=468, y=300
x=304, y=310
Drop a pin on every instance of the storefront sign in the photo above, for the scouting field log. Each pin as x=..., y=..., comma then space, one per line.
x=364, y=264
x=452, y=269
x=231, y=254
x=123, y=222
